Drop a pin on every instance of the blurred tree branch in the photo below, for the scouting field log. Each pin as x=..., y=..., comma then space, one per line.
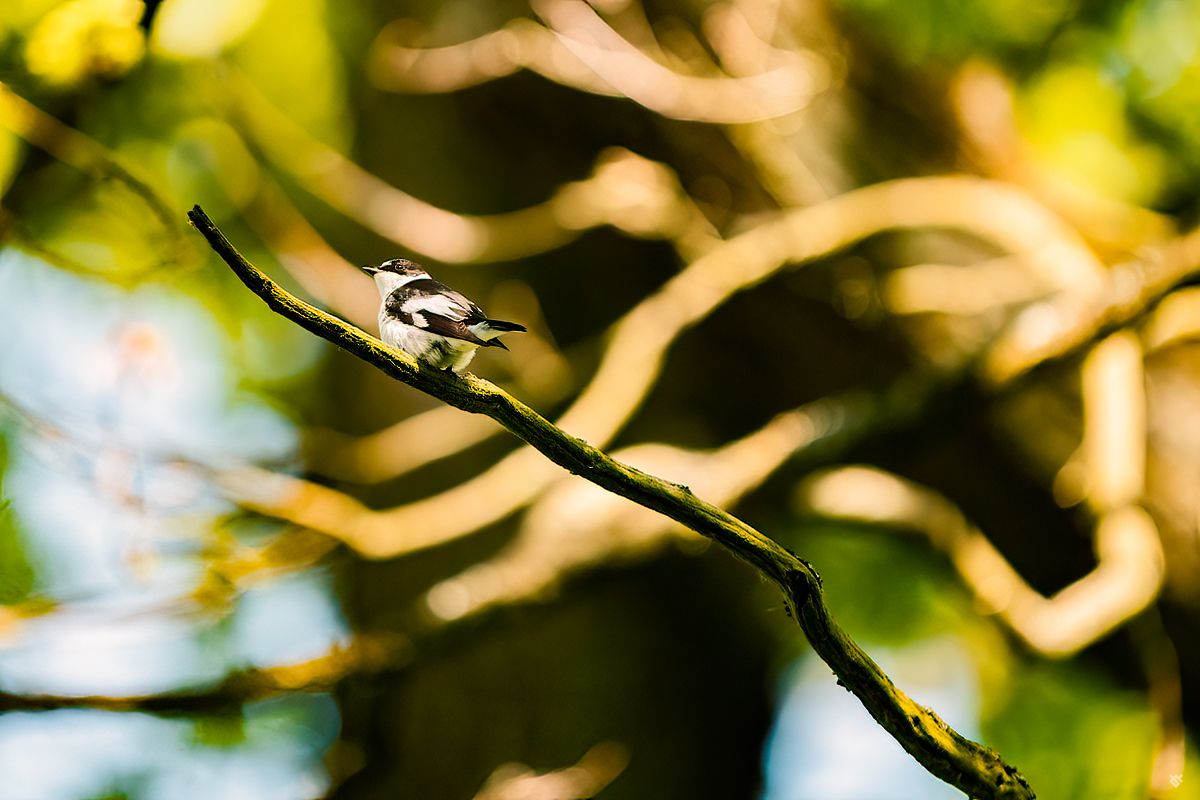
x=633, y=194
x=1127, y=577
x=1111, y=475
x=575, y=526
x=596, y=768
x=577, y=48
x=639, y=341
x=751, y=83
x=319, y=674
x=82, y=152
x=1046, y=332
x=975, y=769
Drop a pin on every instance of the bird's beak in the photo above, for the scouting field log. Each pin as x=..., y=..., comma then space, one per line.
x=369, y=269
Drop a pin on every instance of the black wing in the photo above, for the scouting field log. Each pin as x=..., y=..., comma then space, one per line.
x=430, y=288
x=417, y=306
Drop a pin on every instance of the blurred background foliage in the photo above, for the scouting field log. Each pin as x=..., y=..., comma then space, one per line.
x=235, y=562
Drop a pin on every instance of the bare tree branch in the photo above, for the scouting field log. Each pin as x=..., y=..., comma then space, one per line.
x=638, y=344
x=974, y=768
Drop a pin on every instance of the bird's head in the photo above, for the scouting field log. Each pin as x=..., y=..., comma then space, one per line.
x=394, y=273
x=397, y=266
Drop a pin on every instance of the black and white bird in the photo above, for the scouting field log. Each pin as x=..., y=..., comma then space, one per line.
x=429, y=320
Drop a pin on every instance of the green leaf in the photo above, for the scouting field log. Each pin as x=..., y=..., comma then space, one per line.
x=1074, y=733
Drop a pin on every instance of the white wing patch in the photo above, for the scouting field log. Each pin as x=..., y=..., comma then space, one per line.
x=484, y=331
x=435, y=304
x=437, y=350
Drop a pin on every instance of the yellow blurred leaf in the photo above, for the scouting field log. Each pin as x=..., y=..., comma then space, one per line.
x=1075, y=122
x=203, y=28
x=84, y=38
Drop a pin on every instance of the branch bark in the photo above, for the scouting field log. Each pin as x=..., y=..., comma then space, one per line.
x=961, y=762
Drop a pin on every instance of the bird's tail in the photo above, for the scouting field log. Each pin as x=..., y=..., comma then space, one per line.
x=505, y=327
x=495, y=327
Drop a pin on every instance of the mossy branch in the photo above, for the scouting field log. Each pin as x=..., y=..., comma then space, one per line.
x=973, y=768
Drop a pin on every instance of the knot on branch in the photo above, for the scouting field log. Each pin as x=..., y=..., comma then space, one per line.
x=801, y=583
x=1011, y=784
